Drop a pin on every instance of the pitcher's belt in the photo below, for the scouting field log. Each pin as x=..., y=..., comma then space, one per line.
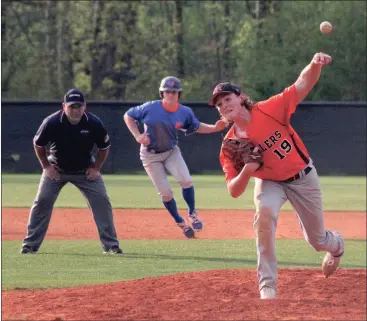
x=298, y=175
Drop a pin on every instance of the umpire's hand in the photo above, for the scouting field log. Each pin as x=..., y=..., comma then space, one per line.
x=93, y=173
x=51, y=171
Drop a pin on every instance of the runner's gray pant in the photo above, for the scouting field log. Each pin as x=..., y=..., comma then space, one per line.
x=157, y=165
x=97, y=199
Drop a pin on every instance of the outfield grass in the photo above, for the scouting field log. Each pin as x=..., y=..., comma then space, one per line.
x=136, y=191
x=72, y=263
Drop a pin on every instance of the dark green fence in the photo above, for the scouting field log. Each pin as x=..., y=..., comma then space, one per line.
x=334, y=132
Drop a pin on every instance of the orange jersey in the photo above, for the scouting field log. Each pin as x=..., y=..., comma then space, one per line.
x=282, y=149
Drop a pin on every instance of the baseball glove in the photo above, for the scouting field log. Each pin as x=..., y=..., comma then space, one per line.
x=240, y=151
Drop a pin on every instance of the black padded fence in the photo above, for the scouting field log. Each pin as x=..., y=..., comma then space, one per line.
x=334, y=133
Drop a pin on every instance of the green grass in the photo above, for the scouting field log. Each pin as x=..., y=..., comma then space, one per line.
x=73, y=263
x=136, y=191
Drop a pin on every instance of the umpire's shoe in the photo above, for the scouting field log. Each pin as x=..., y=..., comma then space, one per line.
x=186, y=229
x=331, y=263
x=113, y=250
x=196, y=223
x=28, y=250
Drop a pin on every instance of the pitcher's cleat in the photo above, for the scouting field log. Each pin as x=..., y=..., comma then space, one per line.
x=267, y=293
x=331, y=263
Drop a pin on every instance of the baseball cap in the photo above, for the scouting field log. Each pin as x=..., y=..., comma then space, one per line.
x=74, y=97
x=222, y=88
x=170, y=83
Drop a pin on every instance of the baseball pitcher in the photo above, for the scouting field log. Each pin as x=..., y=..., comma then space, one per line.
x=282, y=168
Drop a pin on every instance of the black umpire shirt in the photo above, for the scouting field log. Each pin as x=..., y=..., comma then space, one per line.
x=72, y=145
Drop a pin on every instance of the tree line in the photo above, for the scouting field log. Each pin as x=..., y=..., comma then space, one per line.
x=120, y=50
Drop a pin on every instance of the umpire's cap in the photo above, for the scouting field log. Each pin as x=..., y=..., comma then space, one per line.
x=222, y=88
x=170, y=83
x=74, y=97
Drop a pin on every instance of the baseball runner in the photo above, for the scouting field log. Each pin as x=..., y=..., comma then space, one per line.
x=72, y=132
x=159, y=151
x=283, y=172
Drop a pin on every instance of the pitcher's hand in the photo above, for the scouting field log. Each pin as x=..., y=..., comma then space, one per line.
x=321, y=58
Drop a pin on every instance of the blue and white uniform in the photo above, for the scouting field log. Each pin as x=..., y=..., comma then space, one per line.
x=163, y=155
x=162, y=124
x=163, y=152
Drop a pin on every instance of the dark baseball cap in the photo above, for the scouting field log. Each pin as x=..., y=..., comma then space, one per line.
x=170, y=83
x=74, y=97
x=223, y=88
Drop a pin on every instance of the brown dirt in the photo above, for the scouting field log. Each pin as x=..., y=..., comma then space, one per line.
x=78, y=224
x=303, y=294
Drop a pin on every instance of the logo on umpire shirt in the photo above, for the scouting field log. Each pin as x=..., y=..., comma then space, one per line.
x=84, y=132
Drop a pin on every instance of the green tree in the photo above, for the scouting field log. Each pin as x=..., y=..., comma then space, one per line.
x=120, y=50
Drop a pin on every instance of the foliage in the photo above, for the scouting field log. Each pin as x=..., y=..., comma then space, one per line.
x=120, y=50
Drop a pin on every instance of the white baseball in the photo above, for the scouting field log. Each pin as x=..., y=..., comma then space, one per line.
x=326, y=27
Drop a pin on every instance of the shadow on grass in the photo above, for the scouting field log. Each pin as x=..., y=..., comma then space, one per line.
x=196, y=258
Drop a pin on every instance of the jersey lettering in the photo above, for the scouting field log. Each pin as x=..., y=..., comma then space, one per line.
x=262, y=149
x=273, y=139
x=267, y=143
x=270, y=142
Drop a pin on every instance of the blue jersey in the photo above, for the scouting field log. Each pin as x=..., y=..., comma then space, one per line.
x=162, y=125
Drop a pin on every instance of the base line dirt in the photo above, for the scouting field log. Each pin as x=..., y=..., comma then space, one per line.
x=303, y=294
x=67, y=224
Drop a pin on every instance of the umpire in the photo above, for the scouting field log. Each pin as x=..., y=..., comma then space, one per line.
x=72, y=133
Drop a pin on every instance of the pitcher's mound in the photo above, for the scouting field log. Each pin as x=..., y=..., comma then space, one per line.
x=208, y=295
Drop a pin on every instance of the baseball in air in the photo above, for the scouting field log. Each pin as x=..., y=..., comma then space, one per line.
x=326, y=27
